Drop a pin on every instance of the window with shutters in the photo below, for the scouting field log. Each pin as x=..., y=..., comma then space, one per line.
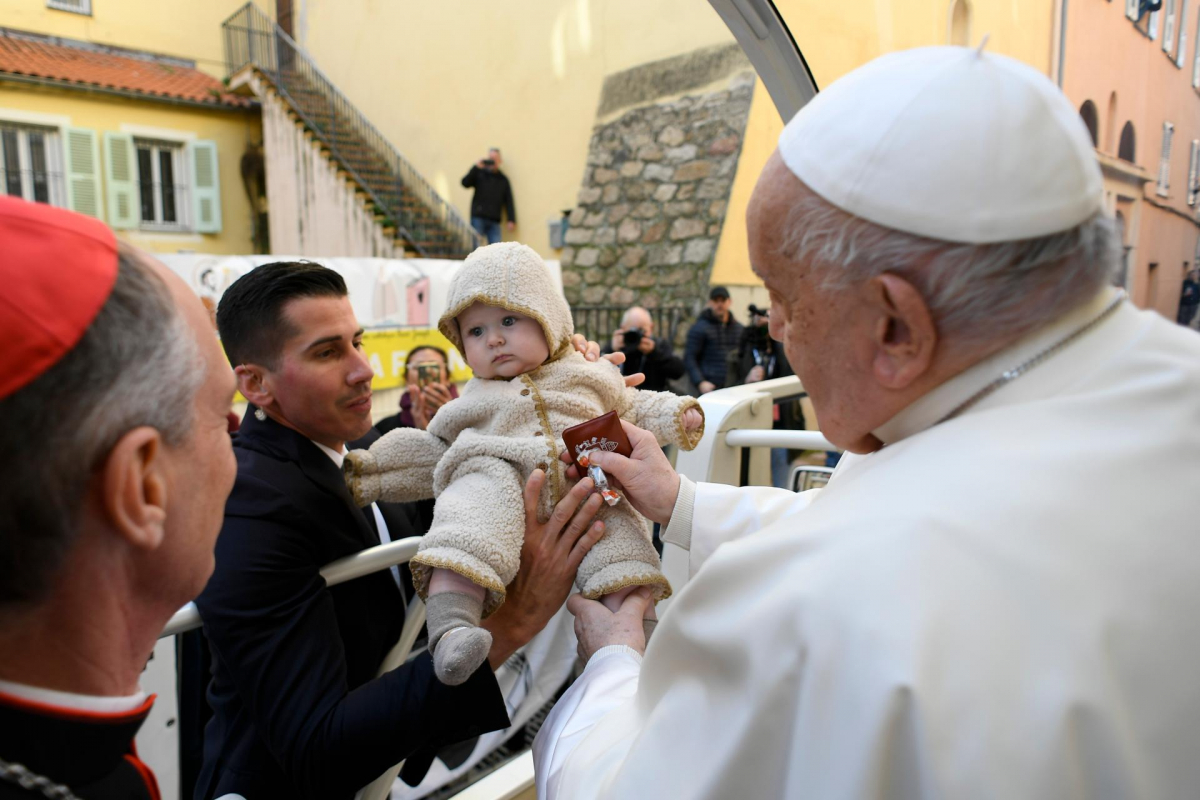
x=1196, y=57
x=76, y=6
x=1164, y=163
x=1181, y=50
x=31, y=164
x=1193, y=189
x=1168, y=23
x=1169, y=8
x=163, y=185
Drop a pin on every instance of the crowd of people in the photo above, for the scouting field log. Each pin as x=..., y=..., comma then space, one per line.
x=993, y=597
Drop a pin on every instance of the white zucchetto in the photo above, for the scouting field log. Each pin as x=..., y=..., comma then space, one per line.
x=950, y=143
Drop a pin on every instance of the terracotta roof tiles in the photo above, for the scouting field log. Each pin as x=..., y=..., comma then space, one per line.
x=76, y=66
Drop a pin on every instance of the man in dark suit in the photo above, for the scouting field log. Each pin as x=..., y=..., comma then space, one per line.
x=298, y=709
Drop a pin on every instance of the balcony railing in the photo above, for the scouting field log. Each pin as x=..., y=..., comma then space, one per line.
x=400, y=194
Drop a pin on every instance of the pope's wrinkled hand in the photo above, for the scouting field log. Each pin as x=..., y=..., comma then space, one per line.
x=649, y=481
x=597, y=627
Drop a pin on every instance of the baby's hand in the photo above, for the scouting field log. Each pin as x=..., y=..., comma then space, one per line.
x=692, y=419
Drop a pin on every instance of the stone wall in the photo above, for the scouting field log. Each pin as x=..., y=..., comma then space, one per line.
x=654, y=195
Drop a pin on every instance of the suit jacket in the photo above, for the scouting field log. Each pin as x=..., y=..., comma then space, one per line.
x=297, y=709
x=90, y=752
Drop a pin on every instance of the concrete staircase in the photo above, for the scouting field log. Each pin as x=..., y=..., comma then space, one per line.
x=402, y=201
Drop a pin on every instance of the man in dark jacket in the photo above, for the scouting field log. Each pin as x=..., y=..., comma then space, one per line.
x=297, y=708
x=644, y=352
x=712, y=337
x=493, y=196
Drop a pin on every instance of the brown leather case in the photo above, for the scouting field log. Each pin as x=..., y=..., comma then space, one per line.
x=602, y=433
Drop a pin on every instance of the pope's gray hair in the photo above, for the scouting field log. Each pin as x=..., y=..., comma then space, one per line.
x=137, y=364
x=976, y=293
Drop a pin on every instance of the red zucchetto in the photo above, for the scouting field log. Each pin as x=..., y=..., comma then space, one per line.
x=56, y=270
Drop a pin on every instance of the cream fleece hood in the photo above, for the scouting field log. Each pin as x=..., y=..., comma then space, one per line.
x=512, y=276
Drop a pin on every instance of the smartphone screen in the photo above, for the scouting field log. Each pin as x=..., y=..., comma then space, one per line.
x=427, y=374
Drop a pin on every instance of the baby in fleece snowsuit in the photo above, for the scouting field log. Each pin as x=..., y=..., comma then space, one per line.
x=513, y=328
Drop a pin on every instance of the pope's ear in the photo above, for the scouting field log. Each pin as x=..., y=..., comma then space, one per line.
x=251, y=380
x=135, y=489
x=904, y=334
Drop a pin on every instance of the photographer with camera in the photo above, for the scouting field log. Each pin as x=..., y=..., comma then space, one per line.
x=643, y=352
x=759, y=358
x=493, y=196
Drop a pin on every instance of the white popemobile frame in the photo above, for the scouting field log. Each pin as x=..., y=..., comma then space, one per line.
x=738, y=417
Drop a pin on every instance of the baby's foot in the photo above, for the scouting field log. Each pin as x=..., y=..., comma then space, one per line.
x=459, y=653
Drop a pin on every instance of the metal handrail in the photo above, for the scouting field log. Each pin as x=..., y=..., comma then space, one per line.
x=254, y=39
x=356, y=565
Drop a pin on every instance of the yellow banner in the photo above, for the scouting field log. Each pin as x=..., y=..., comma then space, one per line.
x=387, y=350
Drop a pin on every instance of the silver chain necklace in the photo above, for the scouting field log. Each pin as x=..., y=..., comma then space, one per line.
x=1019, y=370
x=29, y=780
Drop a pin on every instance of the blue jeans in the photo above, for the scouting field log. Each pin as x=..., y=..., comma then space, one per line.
x=780, y=467
x=487, y=228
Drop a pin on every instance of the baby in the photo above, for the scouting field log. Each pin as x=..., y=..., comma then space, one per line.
x=513, y=328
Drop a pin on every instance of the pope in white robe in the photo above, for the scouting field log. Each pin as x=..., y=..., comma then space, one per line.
x=998, y=598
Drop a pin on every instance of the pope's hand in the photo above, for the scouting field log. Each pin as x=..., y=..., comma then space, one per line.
x=649, y=481
x=596, y=626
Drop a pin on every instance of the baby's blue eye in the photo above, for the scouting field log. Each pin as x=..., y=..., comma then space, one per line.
x=510, y=321
x=475, y=332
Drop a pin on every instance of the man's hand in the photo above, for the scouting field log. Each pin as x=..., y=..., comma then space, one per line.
x=647, y=478
x=646, y=345
x=591, y=351
x=480, y=164
x=550, y=556
x=596, y=626
x=756, y=374
x=706, y=386
x=511, y=225
x=618, y=340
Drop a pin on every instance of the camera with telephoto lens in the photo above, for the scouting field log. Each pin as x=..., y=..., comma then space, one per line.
x=489, y=162
x=755, y=311
x=633, y=337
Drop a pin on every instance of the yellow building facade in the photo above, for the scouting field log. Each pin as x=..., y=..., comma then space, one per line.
x=447, y=81
x=117, y=110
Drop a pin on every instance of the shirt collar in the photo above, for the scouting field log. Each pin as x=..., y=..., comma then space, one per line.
x=929, y=409
x=334, y=455
x=71, y=701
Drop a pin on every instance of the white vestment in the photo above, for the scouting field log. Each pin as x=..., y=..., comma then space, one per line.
x=1003, y=605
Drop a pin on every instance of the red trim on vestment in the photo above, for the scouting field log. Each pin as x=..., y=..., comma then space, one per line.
x=147, y=776
x=60, y=712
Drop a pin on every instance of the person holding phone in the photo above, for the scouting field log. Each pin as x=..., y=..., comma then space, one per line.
x=427, y=373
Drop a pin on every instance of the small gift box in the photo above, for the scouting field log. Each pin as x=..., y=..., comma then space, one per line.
x=602, y=433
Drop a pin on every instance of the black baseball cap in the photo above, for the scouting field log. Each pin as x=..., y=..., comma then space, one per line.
x=718, y=292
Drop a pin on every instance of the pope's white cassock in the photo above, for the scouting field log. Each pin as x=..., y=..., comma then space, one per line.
x=1003, y=605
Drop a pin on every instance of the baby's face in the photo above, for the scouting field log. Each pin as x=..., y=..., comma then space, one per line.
x=500, y=343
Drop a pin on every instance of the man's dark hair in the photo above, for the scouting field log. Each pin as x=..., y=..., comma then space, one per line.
x=250, y=315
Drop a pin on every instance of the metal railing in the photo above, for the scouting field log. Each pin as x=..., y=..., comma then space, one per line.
x=504, y=783
x=253, y=39
x=736, y=420
x=597, y=323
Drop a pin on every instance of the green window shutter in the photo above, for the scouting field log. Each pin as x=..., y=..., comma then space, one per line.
x=83, y=172
x=206, y=187
x=120, y=177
